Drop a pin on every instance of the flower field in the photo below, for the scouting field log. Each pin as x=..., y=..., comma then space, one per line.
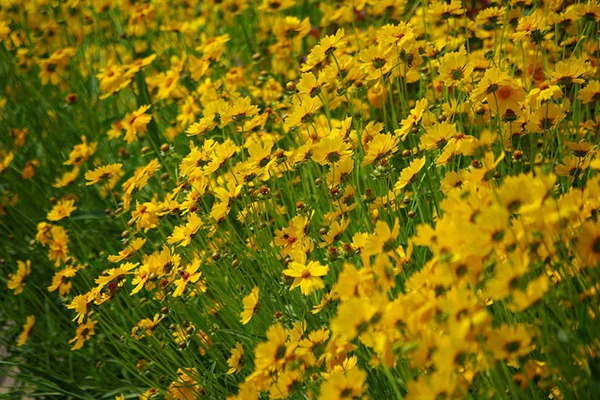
x=367, y=199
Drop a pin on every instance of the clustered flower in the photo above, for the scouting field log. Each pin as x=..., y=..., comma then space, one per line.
x=388, y=198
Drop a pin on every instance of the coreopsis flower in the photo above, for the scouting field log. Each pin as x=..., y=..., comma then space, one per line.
x=250, y=303
x=84, y=332
x=344, y=384
x=273, y=6
x=5, y=159
x=510, y=342
x=331, y=150
x=113, y=78
x=440, y=10
x=588, y=244
x=62, y=209
x=353, y=317
x=166, y=84
x=507, y=276
x=273, y=353
x=501, y=92
x=50, y=71
x=107, y=175
x=189, y=275
x=303, y=111
x=184, y=234
x=140, y=178
x=4, y=30
x=128, y=251
x=81, y=152
x=547, y=117
x=236, y=360
x=220, y=154
x=380, y=148
x=201, y=127
x=572, y=71
x=307, y=276
x=289, y=28
x=58, y=248
x=61, y=280
x=536, y=289
x=136, y=123
x=409, y=173
x=413, y=119
x=261, y=159
x=438, y=135
x=491, y=18
x=113, y=279
x=145, y=215
x=30, y=321
x=531, y=26
x=223, y=199
x=334, y=231
x=354, y=282
x=377, y=61
x=80, y=305
x=543, y=93
x=138, y=64
x=66, y=179
x=16, y=281
x=293, y=240
x=590, y=93
x=455, y=68
x=240, y=109
x=309, y=85
x=326, y=46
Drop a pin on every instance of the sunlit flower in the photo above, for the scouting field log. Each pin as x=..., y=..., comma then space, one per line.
x=307, y=277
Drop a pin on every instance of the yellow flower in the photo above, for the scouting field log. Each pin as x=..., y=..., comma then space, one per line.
x=128, y=251
x=288, y=28
x=136, y=123
x=145, y=216
x=409, y=173
x=273, y=353
x=507, y=342
x=61, y=281
x=81, y=152
x=5, y=159
x=307, y=276
x=66, y=179
x=26, y=330
x=189, y=275
x=455, y=68
x=353, y=317
x=184, y=234
x=501, y=91
x=235, y=361
x=303, y=111
x=239, y=109
x=590, y=93
x=16, y=281
x=413, y=119
x=250, y=303
x=84, y=332
x=331, y=150
x=106, y=174
x=380, y=148
x=61, y=210
x=588, y=245
x=344, y=384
